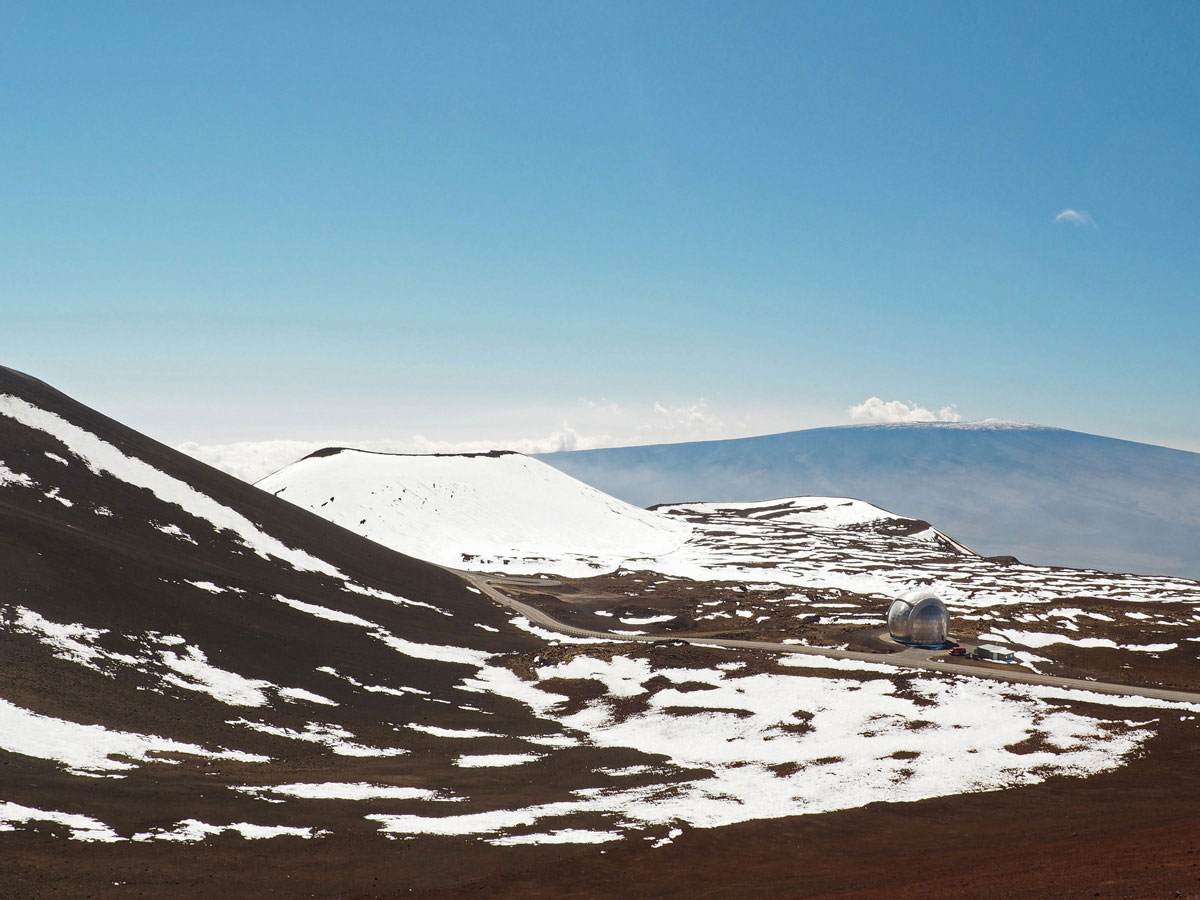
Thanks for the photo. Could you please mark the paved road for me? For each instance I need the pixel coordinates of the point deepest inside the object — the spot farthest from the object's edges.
(910, 657)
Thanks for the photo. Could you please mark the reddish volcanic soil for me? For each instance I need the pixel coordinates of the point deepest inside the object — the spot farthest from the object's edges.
(1132, 833)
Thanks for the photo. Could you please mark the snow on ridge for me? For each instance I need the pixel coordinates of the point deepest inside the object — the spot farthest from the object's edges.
(102, 457)
(828, 512)
(972, 425)
(488, 511)
(811, 512)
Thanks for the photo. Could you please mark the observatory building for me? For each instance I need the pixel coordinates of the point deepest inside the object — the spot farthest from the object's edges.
(919, 618)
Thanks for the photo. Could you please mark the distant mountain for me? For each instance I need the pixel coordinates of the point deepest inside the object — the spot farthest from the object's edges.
(496, 511)
(1046, 495)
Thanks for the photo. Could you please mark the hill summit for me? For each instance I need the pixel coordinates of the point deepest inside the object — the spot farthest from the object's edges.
(497, 510)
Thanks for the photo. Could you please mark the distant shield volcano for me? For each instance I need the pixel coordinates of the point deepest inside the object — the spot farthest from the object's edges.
(1046, 495)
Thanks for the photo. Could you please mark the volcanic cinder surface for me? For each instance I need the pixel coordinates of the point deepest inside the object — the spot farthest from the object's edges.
(206, 690)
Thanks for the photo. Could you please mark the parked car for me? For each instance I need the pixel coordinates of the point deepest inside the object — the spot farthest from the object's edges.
(958, 651)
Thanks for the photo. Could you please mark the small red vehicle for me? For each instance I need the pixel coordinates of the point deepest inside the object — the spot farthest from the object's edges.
(958, 651)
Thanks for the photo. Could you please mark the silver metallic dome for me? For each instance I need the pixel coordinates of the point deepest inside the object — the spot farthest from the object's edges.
(919, 617)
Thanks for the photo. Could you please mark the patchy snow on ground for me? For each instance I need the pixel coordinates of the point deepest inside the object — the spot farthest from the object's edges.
(434, 652)
(192, 671)
(502, 512)
(335, 737)
(85, 828)
(93, 749)
(82, 828)
(207, 586)
(562, 836)
(453, 732)
(1042, 639)
(175, 531)
(170, 657)
(395, 598)
(646, 620)
(8, 476)
(192, 830)
(66, 640)
(821, 544)
(780, 745)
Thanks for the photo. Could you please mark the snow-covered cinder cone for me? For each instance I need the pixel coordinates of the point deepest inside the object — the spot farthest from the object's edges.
(494, 511)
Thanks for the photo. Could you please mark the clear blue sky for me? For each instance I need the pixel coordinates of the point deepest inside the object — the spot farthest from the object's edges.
(251, 221)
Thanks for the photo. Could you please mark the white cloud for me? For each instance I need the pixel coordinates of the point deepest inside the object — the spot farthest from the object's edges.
(875, 410)
(1075, 217)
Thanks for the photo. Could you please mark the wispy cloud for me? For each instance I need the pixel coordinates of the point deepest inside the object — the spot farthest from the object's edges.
(1077, 217)
(687, 418)
(875, 410)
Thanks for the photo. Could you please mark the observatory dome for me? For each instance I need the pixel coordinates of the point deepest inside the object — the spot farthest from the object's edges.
(920, 618)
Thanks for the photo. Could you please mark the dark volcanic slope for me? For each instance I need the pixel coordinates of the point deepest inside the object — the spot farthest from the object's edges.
(170, 636)
(1045, 495)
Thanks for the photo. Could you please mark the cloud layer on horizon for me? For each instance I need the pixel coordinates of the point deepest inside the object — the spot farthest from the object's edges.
(594, 423)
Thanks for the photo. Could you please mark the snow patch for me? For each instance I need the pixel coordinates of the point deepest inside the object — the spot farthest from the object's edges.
(496, 759)
(90, 749)
(336, 790)
(82, 828)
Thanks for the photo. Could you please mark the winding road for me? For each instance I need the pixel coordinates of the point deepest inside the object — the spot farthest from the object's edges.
(909, 657)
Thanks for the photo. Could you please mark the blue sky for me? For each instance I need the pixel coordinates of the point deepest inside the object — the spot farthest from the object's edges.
(500, 222)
